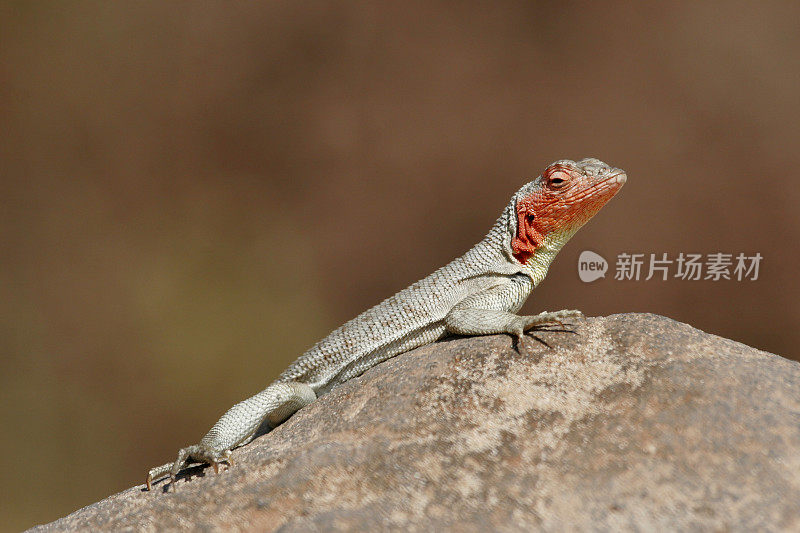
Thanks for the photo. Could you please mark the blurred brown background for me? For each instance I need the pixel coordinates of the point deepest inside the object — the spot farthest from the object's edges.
(193, 194)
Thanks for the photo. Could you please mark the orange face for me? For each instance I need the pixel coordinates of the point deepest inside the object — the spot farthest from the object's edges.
(564, 198)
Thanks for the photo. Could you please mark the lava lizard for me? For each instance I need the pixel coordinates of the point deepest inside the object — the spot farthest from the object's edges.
(478, 293)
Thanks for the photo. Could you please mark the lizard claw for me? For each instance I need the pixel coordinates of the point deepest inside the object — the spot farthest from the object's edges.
(518, 339)
(225, 457)
(156, 474)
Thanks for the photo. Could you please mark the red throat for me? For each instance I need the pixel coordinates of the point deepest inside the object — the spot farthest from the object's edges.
(528, 238)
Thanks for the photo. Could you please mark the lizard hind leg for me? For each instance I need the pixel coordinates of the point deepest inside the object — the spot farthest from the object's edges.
(238, 426)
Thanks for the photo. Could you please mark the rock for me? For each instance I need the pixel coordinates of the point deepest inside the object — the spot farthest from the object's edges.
(637, 422)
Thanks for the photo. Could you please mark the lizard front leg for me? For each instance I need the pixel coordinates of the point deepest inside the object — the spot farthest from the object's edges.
(486, 313)
(238, 426)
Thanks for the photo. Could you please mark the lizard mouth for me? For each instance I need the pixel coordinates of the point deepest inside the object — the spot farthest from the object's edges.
(613, 181)
(603, 190)
(620, 177)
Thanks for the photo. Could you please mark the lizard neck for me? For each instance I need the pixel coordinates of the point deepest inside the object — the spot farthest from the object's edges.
(496, 255)
(539, 263)
(493, 254)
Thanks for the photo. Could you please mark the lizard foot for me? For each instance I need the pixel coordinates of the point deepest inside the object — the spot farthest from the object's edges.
(189, 457)
(528, 323)
(545, 317)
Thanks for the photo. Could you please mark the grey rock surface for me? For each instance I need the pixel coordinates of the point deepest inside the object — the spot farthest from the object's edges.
(637, 422)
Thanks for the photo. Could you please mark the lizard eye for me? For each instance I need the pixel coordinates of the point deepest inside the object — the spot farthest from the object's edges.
(557, 180)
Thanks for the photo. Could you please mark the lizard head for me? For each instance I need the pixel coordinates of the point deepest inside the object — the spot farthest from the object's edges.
(551, 208)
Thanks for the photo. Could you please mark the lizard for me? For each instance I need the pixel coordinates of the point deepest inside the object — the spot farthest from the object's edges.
(478, 293)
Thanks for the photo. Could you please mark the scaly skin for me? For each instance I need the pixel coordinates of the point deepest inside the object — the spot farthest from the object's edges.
(478, 293)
